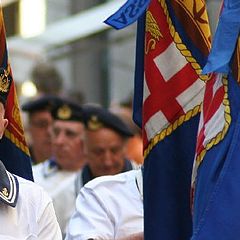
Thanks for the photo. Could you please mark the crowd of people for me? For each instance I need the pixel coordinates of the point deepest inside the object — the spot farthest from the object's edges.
(86, 167)
(85, 185)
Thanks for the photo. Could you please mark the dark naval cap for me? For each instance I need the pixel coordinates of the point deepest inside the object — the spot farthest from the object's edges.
(45, 102)
(96, 117)
(66, 110)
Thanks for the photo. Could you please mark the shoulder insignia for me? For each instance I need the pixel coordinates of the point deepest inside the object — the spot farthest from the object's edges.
(5, 192)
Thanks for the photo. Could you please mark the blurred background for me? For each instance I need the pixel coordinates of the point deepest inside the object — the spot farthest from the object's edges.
(63, 46)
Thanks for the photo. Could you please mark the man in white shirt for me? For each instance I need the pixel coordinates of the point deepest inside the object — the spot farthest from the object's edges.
(109, 207)
(105, 145)
(26, 211)
(57, 175)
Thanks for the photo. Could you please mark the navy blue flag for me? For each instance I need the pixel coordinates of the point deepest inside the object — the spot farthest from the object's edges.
(216, 176)
(216, 209)
(14, 152)
(173, 43)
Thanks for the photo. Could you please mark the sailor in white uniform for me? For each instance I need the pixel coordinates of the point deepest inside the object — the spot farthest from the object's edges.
(26, 211)
(109, 207)
(57, 175)
(105, 145)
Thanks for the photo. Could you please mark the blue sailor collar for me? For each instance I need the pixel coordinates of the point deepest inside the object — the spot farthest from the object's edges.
(9, 187)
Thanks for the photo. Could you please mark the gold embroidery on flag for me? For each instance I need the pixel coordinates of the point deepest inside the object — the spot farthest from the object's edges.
(154, 30)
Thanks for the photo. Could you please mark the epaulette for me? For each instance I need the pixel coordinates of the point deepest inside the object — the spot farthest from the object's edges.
(9, 187)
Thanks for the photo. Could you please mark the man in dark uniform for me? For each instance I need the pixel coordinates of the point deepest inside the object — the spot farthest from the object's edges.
(106, 136)
(39, 123)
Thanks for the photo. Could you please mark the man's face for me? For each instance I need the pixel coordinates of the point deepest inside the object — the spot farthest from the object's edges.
(3, 121)
(39, 128)
(67, 137)
(105, 151)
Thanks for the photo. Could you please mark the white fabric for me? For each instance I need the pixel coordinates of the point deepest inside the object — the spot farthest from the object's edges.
(108, 207)
(61, 188)
(32, 218)
(79, 183)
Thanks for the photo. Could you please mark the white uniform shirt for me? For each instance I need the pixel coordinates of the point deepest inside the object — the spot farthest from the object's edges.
(108, 207)
(61, 187)
(79, 179)
(32, 218)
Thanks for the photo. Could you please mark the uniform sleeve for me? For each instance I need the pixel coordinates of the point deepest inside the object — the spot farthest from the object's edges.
(91, 219)
(48, 227)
